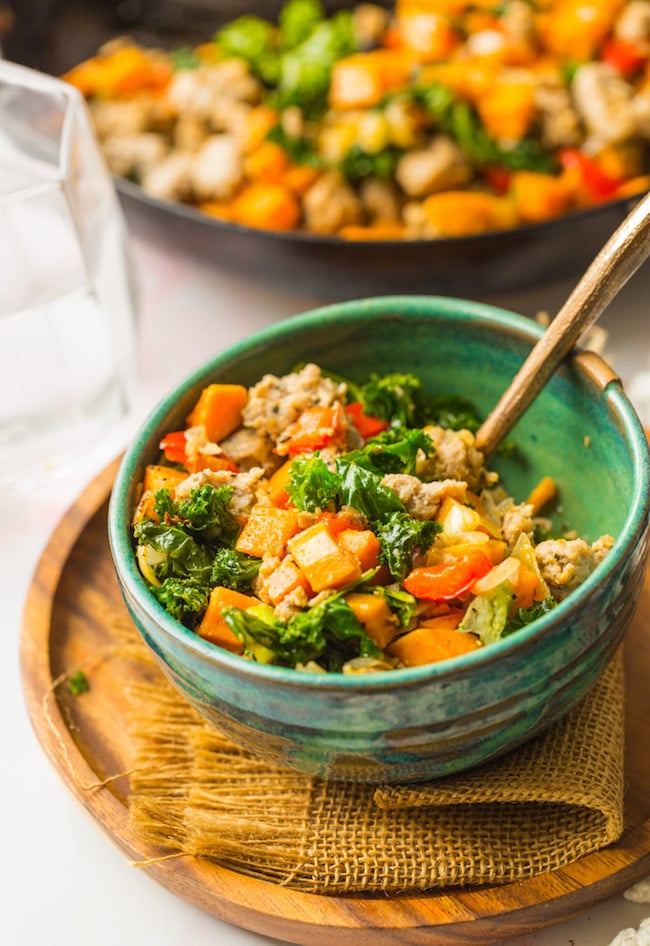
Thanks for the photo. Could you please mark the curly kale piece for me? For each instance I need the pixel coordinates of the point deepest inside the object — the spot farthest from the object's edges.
(363, 490)
(451, 411)
(393, 451)
(235, 570)
(396, 398)
(400, 537)
(525, 616)
(184, 599)
(204, 513)
(312, 485)
(188, 538)
(328, 631)
(181, 556)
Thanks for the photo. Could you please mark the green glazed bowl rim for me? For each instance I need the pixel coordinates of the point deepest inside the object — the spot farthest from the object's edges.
(362, 311)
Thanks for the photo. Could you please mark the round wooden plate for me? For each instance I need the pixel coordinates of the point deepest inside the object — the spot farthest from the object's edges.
(72, 601)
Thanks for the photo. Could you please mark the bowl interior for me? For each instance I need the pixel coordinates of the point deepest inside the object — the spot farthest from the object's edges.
(587, 438)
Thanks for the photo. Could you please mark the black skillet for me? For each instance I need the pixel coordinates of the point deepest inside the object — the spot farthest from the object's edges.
(53, 35)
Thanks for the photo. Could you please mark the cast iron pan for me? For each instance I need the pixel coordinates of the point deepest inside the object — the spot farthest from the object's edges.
(53, 35)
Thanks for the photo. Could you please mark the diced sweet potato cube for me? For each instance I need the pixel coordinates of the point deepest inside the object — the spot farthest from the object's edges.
(463, 213)
(363, 79)
(278, 482)
(161, 477)
(322, 561)
(337, 522)
(219, 410)
(373, 613)
(445, 622)
(155, 477)
(527, 589)
(215, 462)
(426, 645)
(267, 531)
(363, 544)
(213, 627)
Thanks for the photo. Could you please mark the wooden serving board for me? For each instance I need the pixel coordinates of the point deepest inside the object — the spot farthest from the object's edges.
(72, 599)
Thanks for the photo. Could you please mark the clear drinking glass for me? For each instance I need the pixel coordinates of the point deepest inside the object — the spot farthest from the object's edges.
(67, 337)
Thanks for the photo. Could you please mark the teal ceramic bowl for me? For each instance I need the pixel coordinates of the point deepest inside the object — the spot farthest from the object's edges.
(423, 722)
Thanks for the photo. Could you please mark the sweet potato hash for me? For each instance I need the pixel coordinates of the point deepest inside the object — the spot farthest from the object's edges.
(313, 523)
(431, 119)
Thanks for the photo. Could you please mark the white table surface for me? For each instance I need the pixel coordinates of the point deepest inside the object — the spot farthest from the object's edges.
(64, 883)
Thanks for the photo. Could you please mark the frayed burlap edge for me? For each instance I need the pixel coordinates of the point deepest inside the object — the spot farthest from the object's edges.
(541, 807)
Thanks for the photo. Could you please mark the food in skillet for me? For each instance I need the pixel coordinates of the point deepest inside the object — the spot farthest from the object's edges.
(436, 118)
(310, 522)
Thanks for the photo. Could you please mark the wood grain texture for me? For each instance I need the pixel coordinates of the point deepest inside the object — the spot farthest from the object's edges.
(72, 603)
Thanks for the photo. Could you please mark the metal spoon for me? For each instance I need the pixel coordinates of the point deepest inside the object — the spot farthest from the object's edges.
(618, 260)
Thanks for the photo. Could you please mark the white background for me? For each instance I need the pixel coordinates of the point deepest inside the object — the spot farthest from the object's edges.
(64, 883)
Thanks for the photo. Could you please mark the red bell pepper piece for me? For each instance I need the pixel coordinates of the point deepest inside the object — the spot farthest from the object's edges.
(599, 185)
(625, 57)
(448, 580)
(367, 424)
(498, 178)
(173, 446)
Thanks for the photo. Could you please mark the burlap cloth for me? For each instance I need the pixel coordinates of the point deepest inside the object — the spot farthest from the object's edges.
(542, 806)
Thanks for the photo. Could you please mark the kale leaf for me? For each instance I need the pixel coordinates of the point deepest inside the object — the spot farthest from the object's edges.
(363, 490)
(300, 148)
(396, 398)
(401, 602)
(524, 616)
(332, 622)
(359, 164)
(259, 632)
(400, 537)
(451, 412)
(329, 630)
(181, 555)
(204, 513)
(392, 451)
(182, 598)
(232, 569)
(312, 485)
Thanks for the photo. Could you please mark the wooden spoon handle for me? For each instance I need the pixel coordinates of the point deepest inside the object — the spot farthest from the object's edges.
(618, 260)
